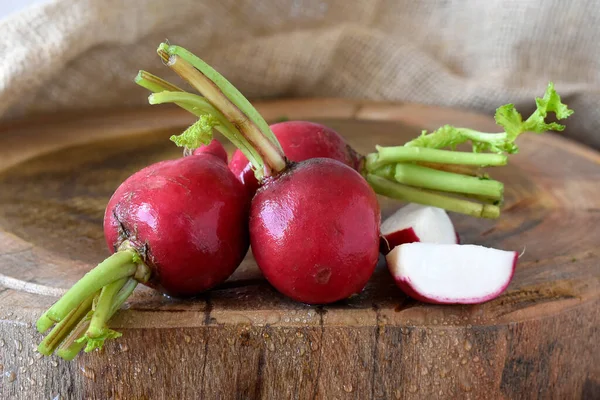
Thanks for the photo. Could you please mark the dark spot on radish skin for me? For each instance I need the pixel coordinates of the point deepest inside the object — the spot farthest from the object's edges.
(322, 277)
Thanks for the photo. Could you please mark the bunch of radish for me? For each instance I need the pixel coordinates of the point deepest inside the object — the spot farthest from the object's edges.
(302, 198)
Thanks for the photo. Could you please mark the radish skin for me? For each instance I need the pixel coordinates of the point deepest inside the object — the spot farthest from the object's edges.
(451, 273)
(215, 148)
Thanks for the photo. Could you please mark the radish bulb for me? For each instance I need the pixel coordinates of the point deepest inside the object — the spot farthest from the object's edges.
(314, 225)
(417, 223)
(178, 226)
(451, 273)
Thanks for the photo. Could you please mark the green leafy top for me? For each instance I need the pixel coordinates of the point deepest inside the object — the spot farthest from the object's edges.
(507, 117)
(201, 132)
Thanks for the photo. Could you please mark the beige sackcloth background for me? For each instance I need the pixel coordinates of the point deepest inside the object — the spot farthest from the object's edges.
(74, 54)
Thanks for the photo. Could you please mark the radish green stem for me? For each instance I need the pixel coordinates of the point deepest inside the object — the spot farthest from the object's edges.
(103, 309)
(200, 106)
(469, 170)
(123, 295)
(58, 333)
(71, 347)
(388, 155)
(155, 84)
(399, 191)
(427, 178)
(226, 99)
(117, 266)
(230, 91)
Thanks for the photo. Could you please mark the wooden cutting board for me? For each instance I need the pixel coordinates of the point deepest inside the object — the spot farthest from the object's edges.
(243, 340)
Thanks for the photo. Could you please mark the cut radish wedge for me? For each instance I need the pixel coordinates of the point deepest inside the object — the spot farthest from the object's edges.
(451, 273)
(417, 223)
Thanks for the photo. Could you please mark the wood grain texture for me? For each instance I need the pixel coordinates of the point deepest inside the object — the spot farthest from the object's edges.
(243, 340)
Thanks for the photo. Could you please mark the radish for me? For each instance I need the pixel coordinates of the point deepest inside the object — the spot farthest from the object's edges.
(417, 223)
(314, 231)
(426, 170)
(300, 141)
(314, 225)
(451, 273)
(178, 226)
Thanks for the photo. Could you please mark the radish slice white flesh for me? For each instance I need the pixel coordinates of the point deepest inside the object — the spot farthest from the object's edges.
(417, 223)
(451, 273)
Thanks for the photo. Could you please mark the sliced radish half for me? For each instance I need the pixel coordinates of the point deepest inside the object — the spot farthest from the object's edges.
(451, 273)
(417, 223)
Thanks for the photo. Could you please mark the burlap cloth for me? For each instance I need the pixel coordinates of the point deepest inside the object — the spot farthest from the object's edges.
(477, 54)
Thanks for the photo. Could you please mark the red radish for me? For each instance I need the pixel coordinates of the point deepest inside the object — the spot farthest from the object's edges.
(187, 217)
(300, 141)
(451, 273)
(314, 231)
(417, 223)
(215, 148)
(179, 226)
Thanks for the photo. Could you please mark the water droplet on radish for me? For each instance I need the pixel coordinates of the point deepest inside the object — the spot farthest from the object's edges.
(348, 387)
(468, 345)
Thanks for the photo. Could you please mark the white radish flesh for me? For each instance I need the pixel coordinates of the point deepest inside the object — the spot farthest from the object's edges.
(451, 273)
(417, 223)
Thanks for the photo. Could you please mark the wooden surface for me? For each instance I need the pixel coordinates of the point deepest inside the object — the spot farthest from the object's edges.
(243, 340)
